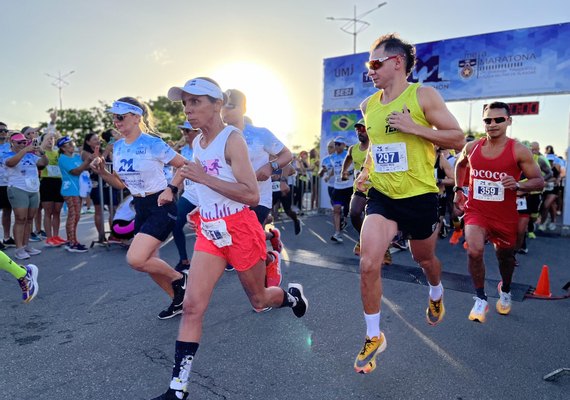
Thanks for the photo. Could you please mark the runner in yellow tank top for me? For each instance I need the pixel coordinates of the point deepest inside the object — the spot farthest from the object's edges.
(404, 122)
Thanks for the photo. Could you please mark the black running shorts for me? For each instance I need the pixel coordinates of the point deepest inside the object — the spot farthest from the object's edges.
(417, 216)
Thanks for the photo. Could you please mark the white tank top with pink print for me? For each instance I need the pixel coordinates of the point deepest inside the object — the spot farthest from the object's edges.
(213, 205)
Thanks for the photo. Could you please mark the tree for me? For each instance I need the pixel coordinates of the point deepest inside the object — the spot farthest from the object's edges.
(168, 116)
(79, 122)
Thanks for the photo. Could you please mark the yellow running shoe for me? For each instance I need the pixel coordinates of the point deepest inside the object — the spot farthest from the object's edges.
(366, 360)
(435, 311)
(356, 249)
(387, 258)
(504, 303)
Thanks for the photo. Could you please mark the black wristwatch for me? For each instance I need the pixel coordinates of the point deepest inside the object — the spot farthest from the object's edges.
(173, 188)
(458, 188)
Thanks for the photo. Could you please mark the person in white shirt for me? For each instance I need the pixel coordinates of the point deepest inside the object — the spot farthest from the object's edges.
(24, 189)
(138, 163)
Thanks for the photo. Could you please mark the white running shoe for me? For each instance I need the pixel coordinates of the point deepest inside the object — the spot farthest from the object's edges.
(479, 310)
(32, 251)
(21, 254)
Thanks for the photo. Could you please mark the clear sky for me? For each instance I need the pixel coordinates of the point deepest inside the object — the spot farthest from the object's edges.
(271, 50)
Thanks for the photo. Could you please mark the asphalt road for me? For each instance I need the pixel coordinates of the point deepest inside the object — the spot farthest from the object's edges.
(92, 332)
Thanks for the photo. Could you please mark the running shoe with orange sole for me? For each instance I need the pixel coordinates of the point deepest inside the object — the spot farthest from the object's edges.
(276, 240)
(273, 275)
(365, 361)
(455, 236)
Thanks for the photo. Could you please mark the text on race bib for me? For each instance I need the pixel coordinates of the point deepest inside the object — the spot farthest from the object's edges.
(390, 157)
(488, 190)
(217, 232)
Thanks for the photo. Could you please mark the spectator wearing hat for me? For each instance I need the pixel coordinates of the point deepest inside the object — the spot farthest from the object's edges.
(7, 241)
(138, 165)
(342, 192)
(187, 201)
(71, 166)
(22, 164)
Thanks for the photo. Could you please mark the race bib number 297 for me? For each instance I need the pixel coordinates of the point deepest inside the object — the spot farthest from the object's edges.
(390, 157)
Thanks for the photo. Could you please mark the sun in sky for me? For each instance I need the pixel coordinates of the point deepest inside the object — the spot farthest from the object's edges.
(268, 102)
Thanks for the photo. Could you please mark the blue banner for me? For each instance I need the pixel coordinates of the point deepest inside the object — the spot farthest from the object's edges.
(520, 62)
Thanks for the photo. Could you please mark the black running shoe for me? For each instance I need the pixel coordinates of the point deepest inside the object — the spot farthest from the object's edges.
(297, 226)
(172, 311)
(302, 305)
(343, 224)
(179, 288)
(172, 394)
(181, 267)
(10, 242)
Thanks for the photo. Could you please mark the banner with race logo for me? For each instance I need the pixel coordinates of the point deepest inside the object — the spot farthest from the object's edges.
(520, 62)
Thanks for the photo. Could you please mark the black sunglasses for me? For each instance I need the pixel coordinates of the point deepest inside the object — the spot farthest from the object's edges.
(498, 120)
(4, 130)
(338, 143)
(119, 117)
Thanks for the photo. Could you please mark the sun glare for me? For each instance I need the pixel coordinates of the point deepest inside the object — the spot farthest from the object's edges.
(268, 102)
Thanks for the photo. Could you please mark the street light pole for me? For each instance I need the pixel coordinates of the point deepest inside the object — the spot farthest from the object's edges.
(355, 25)
(59, 82)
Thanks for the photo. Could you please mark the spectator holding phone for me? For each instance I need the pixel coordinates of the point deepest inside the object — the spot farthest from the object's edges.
(22, 164)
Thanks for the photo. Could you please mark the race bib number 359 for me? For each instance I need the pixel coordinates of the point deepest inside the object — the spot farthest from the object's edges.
(390, 157)
(488, 190)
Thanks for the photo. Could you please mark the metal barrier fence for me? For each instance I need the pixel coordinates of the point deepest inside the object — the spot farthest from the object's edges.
(101, 189)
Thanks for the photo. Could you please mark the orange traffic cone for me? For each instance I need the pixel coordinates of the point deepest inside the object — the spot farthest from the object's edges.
(543, 285)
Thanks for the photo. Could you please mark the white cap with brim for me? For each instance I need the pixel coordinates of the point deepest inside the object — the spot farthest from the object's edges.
(198, 87)
(185, 125)
(122, 107)
(340, 139)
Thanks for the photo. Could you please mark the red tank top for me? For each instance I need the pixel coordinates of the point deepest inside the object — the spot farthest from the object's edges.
(487, 196)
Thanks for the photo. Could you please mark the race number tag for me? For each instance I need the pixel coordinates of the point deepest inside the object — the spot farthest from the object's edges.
(53, 171)
(275, 186)
(521, 203)
(217, 232)
(549, 186)
(488, 190)
(390, 157)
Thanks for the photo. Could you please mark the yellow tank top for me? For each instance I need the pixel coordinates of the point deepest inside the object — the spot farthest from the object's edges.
(402, 163)
(358, 158)
(52, 169)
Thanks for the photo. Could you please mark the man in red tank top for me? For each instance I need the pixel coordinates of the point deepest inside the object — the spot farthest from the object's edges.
(495, 164)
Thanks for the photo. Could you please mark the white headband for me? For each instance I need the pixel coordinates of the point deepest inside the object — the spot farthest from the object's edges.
(122, 107)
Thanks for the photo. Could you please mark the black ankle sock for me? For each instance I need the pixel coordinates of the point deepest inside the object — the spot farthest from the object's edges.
(288, 300)
(505, 288)
(182, 350)
(481, 293)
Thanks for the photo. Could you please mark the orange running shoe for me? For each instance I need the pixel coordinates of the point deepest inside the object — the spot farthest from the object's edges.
(273, 275)
(455, 236)
(465, 245)
(276, 240)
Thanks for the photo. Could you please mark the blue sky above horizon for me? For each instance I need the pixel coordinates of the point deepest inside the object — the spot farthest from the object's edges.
(271, 50)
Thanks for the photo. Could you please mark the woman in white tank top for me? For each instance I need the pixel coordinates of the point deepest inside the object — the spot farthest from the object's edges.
(227, 231)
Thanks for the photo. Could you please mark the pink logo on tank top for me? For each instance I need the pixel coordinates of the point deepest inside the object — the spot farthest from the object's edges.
(212, 167)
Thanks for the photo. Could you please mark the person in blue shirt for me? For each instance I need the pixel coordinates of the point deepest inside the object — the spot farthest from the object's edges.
(71, 166)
